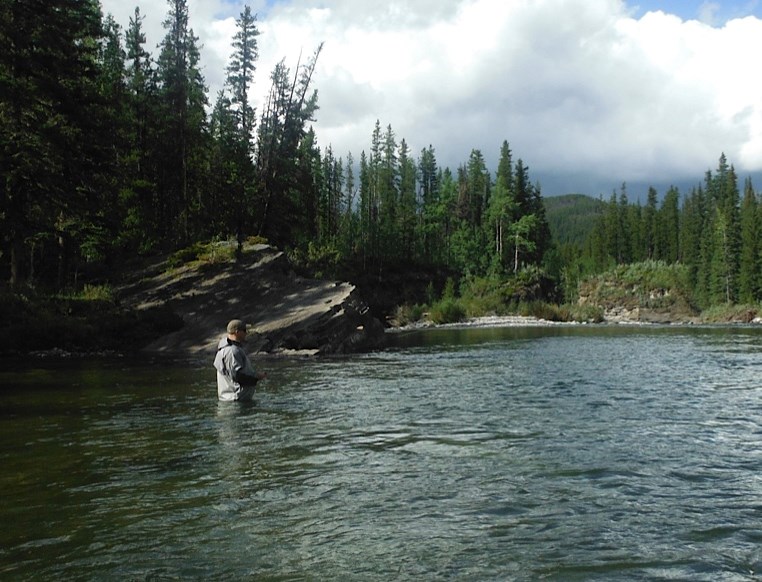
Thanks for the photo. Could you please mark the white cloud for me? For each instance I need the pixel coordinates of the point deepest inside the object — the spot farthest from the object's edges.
(585, 93)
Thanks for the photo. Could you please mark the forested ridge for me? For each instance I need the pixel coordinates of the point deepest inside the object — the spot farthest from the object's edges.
(110, 152)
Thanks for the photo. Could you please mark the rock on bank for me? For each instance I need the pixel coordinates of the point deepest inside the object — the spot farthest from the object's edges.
(288, 313)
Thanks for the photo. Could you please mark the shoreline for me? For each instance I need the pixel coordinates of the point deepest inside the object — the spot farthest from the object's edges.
(485, 321)
(492, 321)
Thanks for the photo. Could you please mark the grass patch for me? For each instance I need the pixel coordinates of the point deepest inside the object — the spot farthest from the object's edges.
(205, 253)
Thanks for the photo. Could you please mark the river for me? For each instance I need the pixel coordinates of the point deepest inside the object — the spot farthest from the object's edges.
(554, 453)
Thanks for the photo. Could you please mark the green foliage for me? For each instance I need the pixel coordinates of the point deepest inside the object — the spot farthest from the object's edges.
(572, 217)
(256, 240)
(316, 260)
(652, 284)
(408, 314)
(731, 313)
(210, 253)
(449, 289)
(107, 152)
(216, 253)
(447, 310)
(186, 255)
(528, 284)
(103, 293)
(483, 295)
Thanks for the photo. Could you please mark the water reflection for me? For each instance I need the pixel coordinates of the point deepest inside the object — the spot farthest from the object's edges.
(235, 453)
(537, 454)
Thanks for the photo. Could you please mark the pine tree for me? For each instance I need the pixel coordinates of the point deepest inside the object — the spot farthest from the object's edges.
(49, 114)
(408, 207)
(139, 197)
(624, 238)
(241, 172)
(722, 188)
(240, 75)
(183, 139)
(648, 243)
(430, 187)
(286, 151)
(388, 194)
(691, 224)
(749, 262)
(668, 226)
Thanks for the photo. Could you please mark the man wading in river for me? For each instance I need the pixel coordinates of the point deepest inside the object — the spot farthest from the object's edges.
(236, 376)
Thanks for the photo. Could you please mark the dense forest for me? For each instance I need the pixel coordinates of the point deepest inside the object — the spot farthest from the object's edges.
(110, 152)
(713, 233)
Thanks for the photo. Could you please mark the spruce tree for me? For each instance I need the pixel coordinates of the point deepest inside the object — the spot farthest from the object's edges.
(183, 139)
(749, 261)
(429, 184)
(240, 77)
(286, 151)
(49, 115)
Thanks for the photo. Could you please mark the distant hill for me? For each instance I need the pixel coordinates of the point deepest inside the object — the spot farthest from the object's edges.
(572, 217)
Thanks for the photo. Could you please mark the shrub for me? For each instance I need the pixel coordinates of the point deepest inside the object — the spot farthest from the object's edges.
(186, 255)
(585, 313)
(97, 293)
(317, 260)
(651, 284)
(407, 314)
(731, 313)
(256, 240)
(448, 310)
(216, 253)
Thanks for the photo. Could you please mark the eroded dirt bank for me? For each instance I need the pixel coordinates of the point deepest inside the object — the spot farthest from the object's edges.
(288, 313)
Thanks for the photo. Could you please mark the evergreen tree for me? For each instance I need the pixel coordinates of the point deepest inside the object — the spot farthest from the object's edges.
(722, 188)
(429, 183)
(624, 236)
(691, 232)
(240, 77)
(749, 262)
(648, 242)
(668, 226)
(408, 208)
(349, 228)
(446, 216)
(226, 185)
(285, 153)
(183, 139)
(388, 194)
(635, 224)
(330, 196)
(139, 196)
(477, 188)
(611, 230)
(49, 114)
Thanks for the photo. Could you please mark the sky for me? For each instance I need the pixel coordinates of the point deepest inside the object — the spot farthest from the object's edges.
(590, 94)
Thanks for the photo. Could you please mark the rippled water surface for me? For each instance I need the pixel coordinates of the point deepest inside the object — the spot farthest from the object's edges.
(501, 454)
